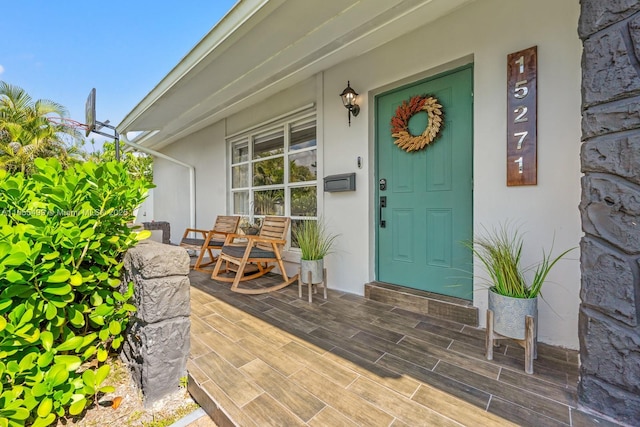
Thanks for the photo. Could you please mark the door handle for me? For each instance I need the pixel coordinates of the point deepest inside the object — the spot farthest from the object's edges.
(383, 204)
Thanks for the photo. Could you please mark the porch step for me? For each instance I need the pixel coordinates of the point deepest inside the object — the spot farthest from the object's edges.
(206, 402)
(422, 302)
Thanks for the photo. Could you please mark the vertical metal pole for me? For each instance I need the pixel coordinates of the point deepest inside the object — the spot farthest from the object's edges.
(116, 135)
(117, 141)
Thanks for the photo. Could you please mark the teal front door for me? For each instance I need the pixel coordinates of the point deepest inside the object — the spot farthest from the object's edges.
(425, 198)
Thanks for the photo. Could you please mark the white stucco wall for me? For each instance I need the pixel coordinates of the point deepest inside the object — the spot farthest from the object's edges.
(145, 211)
(482, 33)
(204, 150)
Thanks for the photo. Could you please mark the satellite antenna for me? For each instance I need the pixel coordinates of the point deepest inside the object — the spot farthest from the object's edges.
(95, 126)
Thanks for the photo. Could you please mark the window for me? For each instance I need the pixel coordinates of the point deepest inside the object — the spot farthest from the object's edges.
(274, 172)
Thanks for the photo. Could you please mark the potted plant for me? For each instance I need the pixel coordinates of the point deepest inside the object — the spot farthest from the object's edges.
(249, 227)
(511, 296)
(315, 242)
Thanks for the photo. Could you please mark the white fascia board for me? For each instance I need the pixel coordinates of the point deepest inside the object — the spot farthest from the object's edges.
(377, 22)
(226, 29)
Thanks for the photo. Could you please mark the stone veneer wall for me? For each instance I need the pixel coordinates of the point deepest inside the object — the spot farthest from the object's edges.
(156, 348)
(610, 208)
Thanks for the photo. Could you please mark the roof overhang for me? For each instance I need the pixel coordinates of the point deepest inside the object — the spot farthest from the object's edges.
(262, 47)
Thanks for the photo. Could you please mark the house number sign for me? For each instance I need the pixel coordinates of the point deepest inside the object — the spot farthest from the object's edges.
(522, 109)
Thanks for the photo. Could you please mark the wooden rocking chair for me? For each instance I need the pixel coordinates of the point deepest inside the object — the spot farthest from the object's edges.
(256, 251)
(211, 239)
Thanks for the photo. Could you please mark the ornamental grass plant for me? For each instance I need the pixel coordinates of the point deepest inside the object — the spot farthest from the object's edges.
(500, 251)
(313, 238)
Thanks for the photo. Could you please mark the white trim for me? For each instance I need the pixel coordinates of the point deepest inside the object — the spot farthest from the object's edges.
(192, 175)
(281, 123)
(229, 25)
(272, 121)
(320, 139)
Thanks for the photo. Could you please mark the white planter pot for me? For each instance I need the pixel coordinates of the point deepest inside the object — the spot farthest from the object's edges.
(316, 267)
(509, 314)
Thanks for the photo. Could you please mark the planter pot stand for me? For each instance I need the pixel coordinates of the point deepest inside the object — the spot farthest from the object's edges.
(516, 323)
(313, 274)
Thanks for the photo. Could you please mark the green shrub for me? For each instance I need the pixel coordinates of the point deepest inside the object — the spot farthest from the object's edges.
(62, 306)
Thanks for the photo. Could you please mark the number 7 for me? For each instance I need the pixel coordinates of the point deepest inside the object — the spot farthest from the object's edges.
(522, 136)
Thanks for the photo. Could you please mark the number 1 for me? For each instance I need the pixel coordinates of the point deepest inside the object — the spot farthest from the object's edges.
(520, 61)
(519, 162)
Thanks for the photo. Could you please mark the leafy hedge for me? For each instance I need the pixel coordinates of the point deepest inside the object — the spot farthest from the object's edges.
(62, 307)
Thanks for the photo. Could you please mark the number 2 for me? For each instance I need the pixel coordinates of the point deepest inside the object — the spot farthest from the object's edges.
(520, 113)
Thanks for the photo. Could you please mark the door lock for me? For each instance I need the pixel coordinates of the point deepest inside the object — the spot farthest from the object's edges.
(383, 184)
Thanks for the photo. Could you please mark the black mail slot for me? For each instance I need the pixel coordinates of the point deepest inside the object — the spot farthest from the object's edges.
(340, 182)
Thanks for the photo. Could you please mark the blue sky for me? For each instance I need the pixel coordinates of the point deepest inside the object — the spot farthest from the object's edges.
(60, 50)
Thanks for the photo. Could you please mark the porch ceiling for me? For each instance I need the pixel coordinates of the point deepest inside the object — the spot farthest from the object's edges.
(260, 48)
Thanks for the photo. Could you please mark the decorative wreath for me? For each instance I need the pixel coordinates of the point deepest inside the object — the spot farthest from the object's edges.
(400, 122)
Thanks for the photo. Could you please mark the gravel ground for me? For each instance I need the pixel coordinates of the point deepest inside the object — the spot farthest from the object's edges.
(131, 410)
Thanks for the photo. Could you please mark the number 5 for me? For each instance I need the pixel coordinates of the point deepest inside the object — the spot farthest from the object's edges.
(521, 91)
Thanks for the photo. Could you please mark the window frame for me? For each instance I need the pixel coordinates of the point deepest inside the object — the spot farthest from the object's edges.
(249, 136)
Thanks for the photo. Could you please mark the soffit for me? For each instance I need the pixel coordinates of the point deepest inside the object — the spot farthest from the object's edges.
(262, 47)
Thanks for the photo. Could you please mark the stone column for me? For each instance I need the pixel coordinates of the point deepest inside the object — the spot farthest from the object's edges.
(610, 209)
(160, 225)
(157, 344)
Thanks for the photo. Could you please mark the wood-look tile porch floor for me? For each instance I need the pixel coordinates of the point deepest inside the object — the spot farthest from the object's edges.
(276, 360)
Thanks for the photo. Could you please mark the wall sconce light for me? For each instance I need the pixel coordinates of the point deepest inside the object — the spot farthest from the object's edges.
(348, 96)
